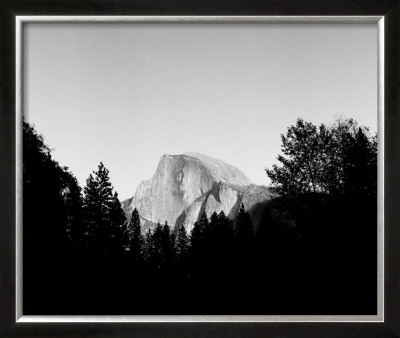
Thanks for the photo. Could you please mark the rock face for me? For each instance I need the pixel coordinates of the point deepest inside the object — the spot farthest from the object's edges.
(184, 186)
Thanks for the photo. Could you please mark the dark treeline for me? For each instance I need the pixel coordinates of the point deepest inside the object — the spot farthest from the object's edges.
(313, 252)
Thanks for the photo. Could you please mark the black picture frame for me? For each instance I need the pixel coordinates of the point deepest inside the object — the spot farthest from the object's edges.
(9, 327)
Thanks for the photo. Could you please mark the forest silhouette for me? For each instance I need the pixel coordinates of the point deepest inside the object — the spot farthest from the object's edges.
(313, 253)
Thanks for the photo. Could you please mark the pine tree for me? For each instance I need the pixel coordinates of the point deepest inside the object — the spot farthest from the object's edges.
(199, 250)
(196, 239)
(219, 245)
(181, 242)
(72, 194)
(226, 232)
(182, 251)
(136, 239)
(157, 247)
(223, 232)
(104, 217)
(244, 227)
(91, 213)
(118, 226)
(148, 246)
(166, 246)
(198, 235)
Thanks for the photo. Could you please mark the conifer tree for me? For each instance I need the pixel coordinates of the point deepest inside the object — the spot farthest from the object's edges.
(91, 213)
(72, 194)
(157, 247)
(198, 248)
(213, 238)
(118, 227)
(166, 246)
(224, 230)
(221, 232)
(136, 239)
(182, 250)
(148, 246)
(104, 217)
(200, 231)
(219, 245)
(196, 239)
(181, 242)
(198, 234)
(244, 227)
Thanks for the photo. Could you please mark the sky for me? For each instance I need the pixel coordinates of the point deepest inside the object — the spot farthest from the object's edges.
(126, 94)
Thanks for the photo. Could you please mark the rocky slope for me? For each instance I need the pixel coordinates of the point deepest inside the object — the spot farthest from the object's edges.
(184, 186)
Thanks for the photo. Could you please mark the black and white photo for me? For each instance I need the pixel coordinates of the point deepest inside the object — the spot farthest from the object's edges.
(200, 169)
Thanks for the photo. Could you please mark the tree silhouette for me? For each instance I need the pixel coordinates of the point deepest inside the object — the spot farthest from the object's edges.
(220, 247)
(104, 217)
(50, 193)
(182, 251)
(220, 236)
(119, 235)
(336, 159)
(51, 224)
(156, 252)
(244, 228)
(197, 235)
(72, 194)
(314, 248)
(199, 249)
(136, 239)
(301, 166)
(148, 246)
(167, 245)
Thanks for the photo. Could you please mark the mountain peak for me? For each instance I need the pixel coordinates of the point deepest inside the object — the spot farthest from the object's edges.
(184, 185)
(220, 170)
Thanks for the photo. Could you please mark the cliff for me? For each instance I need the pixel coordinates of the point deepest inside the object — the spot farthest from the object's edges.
(184, 186)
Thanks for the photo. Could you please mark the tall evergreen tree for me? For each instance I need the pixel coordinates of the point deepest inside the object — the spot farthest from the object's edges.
(136, 239)
(220, 229)
(148, 246)
(199, 249)
(72, 194)
(119, 226)
(156, 255)
(166, 246)
(198, 234)
(220, 245)
(224, 232)
(244, 226)
(182, 250)
(182, 242)
(91, 213)
(105, 220)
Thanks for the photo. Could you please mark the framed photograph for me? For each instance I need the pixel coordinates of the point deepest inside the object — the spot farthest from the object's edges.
(227, 173)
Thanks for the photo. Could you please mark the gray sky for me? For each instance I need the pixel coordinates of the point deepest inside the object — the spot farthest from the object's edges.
(125, 94)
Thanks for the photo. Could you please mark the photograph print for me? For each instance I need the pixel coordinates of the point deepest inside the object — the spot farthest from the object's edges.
(200, 169)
